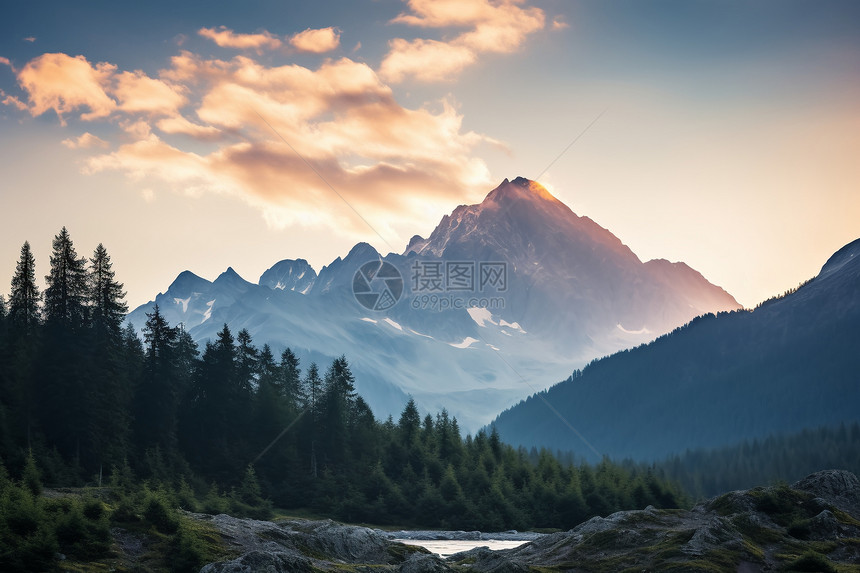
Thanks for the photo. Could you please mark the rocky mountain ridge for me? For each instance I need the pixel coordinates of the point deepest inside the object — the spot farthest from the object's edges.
(504, 297)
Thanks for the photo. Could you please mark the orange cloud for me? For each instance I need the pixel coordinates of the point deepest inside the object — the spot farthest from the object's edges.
(226, 38)
(262, 122)
(64, 84)
(500, 26)
(558, 23)
(424, 60)
(339, 116)
(85, 141)
(137, 92)
(316, 41)
(179, 124)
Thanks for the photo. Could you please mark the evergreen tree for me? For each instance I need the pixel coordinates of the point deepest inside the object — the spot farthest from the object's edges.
(410, 423)
(105, 294)
(24, 298)
(246, 362)
(66, 292)
(313, 385)
(111, 380)
(155, 400)
(68, 412)
(338, 401)
(17, 387)
(291, 381)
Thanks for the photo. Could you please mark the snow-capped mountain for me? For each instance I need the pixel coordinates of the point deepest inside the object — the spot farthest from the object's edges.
(504, 298)
(297, 275)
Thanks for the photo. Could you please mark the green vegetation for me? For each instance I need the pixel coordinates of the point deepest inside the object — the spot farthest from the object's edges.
(789, 457)
(36, 529)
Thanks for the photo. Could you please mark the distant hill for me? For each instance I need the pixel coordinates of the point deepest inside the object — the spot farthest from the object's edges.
(792, 363)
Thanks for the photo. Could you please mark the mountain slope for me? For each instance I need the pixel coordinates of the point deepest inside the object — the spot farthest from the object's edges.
(790, 364)
(564, 291)
(573, 280)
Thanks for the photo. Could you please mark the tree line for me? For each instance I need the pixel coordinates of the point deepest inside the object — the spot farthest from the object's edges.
(86, 397)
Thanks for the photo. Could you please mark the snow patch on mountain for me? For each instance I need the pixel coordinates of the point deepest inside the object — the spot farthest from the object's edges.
(481, 316)
(467, 342)
(208, 313)
(392, 323)
(643, 330)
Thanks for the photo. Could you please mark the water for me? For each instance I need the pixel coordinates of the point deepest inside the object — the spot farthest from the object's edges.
(446, 547)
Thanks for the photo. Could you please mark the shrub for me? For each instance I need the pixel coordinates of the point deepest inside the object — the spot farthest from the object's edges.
(158, 512)
(812, 561)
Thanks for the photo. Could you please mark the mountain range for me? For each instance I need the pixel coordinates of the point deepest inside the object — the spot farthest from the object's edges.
(503, 298)
(792, 363)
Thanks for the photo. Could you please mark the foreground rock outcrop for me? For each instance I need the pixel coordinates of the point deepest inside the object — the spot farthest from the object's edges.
(813, 525)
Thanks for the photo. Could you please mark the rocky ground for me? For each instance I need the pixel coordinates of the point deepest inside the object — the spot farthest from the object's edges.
(813, 525)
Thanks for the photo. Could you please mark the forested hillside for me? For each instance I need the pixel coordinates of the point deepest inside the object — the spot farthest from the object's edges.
(782, 458)
(91, 400)
(790, 364)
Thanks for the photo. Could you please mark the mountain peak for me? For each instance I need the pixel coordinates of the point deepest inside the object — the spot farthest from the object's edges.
(187, 281)
(229, 276)
(289, 274)
(518, 189)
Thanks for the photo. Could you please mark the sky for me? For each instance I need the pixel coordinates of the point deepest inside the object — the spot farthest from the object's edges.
(201, 135)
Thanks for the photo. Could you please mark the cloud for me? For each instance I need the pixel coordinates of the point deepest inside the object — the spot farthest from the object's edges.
(316, 41)
(137, 92)
(558, 23)
(500, 26)
(13, 101)
(179, 124)
(226, 38)
(86, 141)
(64, 84)
(6, 62)
(388, 161)
(30, 39)
(424, 60)
(262, 125)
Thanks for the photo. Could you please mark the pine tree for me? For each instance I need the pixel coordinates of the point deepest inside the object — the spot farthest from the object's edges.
(155, 399)
(24, 298)
(313, 386)
(105, 294)
(246, 362)
(409, 423)
(64, 373)
(66, 292)
(339, 398)
(291, 381)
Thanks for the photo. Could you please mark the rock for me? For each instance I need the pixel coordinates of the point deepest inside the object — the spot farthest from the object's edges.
(301, 545)
(758, 530)
(483, 560)
(423, 563)
(717, 532)
(839, 488)
(262, 562)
